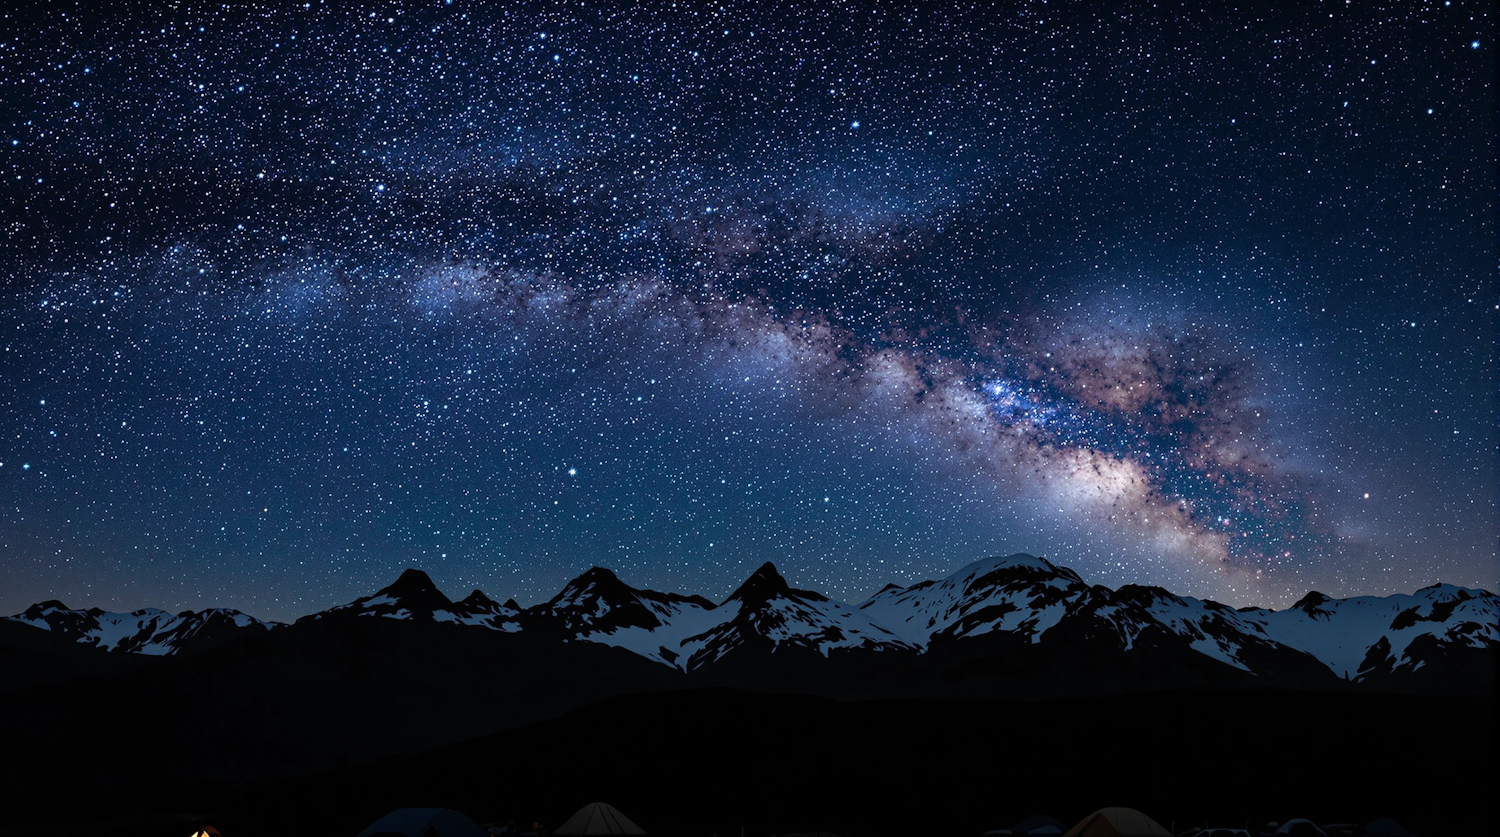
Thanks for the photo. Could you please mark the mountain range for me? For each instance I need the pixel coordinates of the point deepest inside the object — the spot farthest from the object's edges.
(1017, 625)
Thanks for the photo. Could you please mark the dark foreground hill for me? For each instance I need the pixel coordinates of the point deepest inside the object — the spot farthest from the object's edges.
(729, 762)
(1011, 683)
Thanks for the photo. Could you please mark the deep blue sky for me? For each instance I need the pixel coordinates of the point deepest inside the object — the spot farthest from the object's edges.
(297, 298)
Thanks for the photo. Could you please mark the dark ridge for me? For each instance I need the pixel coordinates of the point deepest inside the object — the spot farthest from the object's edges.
(765, 583)
(1312, 601)
(478, 599)
(1144, 593)
(416, 592)
(604, 582)
(678, 597)
(597, 575)
(411, 581)
(36, 610)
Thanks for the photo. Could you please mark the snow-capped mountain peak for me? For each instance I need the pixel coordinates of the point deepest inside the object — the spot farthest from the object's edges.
(598, 607)
(1361, 635)
(594, 587)
(1017, 600)
(765, 584)
(478, 599)
(1313, 603)
(598, 602)
(1012, 593)
(149, 631)
(765, 611)
(413, 596)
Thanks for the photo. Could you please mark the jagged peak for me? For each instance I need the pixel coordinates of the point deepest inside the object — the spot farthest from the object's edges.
(1452, 590)
(596, 575)
(1146, 593)
(1312, 601)
(599, 579)
(1015, 561)
(477, 599)
(414, 589)
(765, 584)
(411, 580)
(40, 608)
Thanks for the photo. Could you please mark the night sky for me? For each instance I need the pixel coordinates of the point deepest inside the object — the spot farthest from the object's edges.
(297, 297)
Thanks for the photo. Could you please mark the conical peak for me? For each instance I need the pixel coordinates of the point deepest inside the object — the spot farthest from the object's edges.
(594, 578)
(1018, 567)
(766, 574)
(764, 583)
(477, 599)
(411, 581)
(1145, 593)
(594, 582)
(597, 575)
(36, 610)
(1312, 601)
(415, 591)
(1017, 561)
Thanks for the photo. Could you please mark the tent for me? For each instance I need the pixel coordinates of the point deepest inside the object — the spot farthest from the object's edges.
(1117, 822)
(1300, 828)
(1383, 827)
(596, 818)
(1040, 826)
(424, 822)
(207, 831)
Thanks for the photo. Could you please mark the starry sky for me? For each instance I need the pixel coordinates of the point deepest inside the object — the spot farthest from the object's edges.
(299, 295)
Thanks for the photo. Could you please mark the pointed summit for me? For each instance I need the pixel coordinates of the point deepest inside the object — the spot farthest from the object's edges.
(414, 592)
(478, 599)
(1018, 565)
(766, 614)
(40, 609)
(1311, 602)
(763, 585)
(599, 602)
(598, 574)
(412, 582)
(411, 596)
(594, 583)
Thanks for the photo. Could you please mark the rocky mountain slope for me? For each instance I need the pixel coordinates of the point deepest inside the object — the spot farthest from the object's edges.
(1015, 608)
(147, 631)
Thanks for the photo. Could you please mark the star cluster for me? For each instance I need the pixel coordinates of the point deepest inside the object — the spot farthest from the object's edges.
(298, 296)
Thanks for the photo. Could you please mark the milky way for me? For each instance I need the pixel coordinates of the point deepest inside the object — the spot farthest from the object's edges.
(298, 298)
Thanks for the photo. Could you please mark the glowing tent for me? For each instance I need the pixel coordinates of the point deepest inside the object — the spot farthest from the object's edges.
(1039, 826)
(596, 818)
(1300, 828)
(1117, 822)
(424, 822)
